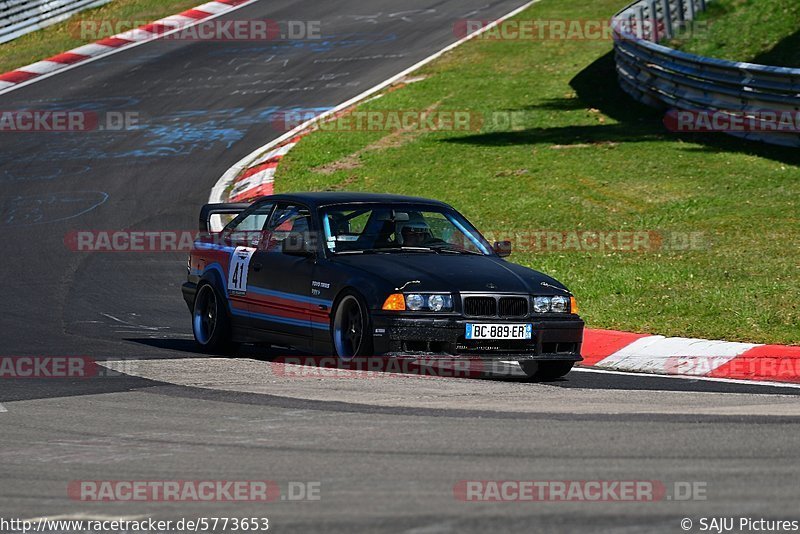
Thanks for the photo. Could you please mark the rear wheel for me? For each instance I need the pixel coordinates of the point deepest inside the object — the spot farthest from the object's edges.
(546, 371)
(351, 327)
(210, 323)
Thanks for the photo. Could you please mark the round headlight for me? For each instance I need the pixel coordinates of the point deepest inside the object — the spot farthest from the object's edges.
(561, 304)
(541, 304)
(415, 302)
(436, 302)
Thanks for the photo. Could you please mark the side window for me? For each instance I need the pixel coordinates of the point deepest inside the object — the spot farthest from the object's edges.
(246, 229)
(286, 220)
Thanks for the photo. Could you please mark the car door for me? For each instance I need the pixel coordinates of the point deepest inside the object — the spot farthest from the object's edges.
(240, 239)
(279, 284)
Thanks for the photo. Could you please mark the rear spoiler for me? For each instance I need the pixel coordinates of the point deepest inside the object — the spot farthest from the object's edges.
(209, 210)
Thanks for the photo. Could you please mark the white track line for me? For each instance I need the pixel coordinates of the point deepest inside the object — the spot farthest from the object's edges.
(690, 377)
(121, 49)
(218, 192)
(3, 409)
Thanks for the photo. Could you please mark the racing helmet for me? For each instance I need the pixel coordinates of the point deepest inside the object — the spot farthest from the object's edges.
(413, 233)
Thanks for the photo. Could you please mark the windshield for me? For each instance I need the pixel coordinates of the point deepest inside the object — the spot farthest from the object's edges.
(400, 228)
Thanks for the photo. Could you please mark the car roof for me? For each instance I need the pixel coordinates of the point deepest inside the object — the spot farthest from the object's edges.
(329, 198)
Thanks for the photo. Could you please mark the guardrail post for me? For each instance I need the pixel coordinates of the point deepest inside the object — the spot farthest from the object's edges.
(666, 8)
(690, 10)
(679, 17)
(652, 21)
(639, 21)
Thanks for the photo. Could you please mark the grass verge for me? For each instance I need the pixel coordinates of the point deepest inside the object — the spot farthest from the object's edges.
(582, 156)
(761, 31)
(67, 35)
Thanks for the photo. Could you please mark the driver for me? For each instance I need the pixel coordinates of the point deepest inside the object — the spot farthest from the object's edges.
(414, 234)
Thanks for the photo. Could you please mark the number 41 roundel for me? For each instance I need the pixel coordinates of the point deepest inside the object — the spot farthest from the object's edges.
(237, 273)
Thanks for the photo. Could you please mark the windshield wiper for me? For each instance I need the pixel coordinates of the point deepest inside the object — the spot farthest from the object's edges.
(452, 250)
(405, 249)
(389, 250)
(385, 250)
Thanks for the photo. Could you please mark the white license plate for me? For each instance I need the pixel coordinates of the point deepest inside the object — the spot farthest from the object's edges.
(499, 331)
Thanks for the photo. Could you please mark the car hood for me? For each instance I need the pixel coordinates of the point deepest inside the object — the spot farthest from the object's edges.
(454, 273)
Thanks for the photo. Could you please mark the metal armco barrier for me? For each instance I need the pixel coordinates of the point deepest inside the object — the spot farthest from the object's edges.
(662, 77)
(18, 17)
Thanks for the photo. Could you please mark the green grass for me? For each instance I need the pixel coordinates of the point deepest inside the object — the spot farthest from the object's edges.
(761, 31)
(67, 35)
(587, 157)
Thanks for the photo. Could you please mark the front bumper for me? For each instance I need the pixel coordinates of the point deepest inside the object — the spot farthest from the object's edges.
(554, 339)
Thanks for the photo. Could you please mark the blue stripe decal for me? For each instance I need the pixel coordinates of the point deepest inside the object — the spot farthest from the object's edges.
(268, 292)
(281, 320)
(213, 246)
(288, 296)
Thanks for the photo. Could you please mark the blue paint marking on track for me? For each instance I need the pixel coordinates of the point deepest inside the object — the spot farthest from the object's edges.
(48, 208)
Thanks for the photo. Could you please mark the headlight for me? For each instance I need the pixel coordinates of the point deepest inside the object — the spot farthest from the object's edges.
(428, 302)
(557, 304)
(541, 304)
(436, 302)
(415, 302)
(560, 305)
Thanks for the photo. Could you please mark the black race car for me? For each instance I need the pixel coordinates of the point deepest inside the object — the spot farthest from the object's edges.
(359, 275)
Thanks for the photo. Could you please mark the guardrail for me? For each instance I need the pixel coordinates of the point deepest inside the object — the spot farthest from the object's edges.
(662, 77)
(18, 17)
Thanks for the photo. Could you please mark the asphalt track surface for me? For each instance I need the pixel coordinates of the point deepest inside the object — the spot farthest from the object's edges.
(387, 449)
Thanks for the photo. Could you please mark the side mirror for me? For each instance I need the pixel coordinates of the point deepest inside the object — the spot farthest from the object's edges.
(502, 248)
(298, 244)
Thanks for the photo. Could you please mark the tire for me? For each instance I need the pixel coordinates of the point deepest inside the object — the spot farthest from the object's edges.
(351, 327)
(210, 322)
(545, 371)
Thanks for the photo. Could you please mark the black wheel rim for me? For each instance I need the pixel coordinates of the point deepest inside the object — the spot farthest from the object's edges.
(348, 330)
(205, 315)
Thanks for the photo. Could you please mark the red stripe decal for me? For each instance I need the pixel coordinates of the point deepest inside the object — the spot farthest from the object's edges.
(279, 311)
(287, 304)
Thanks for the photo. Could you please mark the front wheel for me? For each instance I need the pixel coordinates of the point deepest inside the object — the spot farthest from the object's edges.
(210, 323)
(545, 371)
(351, 328)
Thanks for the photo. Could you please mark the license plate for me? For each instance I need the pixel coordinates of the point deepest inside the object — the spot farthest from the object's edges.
(499, 331)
